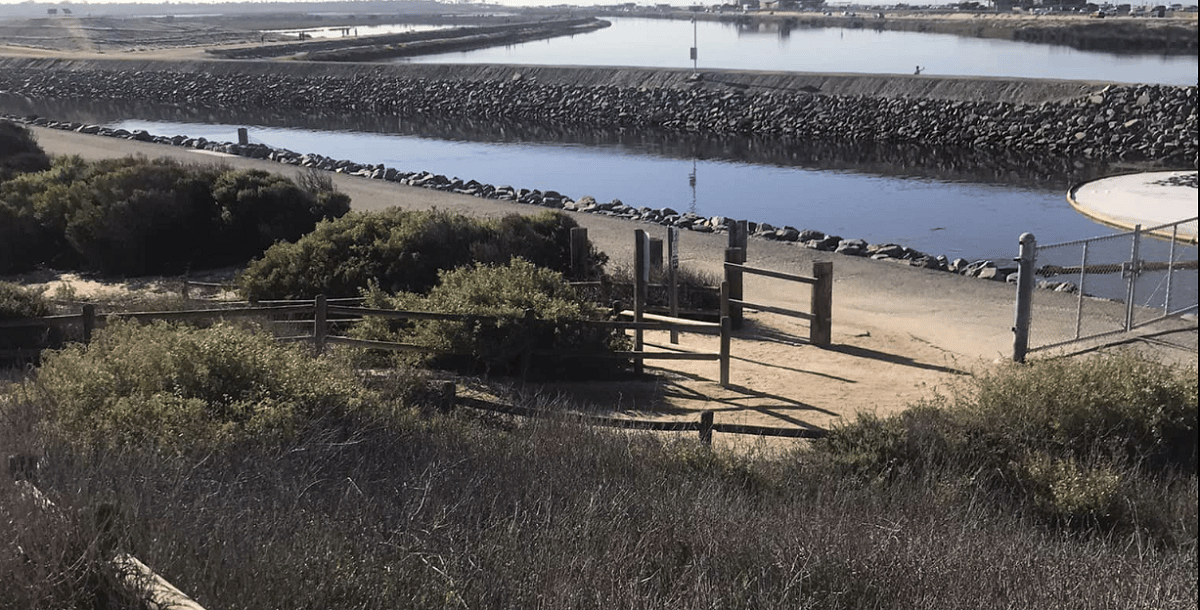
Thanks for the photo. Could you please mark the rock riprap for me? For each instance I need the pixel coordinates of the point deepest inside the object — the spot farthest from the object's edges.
(1155, 123)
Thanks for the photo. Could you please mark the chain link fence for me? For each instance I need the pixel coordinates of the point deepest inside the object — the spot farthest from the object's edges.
(1091, 288)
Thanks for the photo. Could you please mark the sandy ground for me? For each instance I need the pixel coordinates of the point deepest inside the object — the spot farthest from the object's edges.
(899, 334)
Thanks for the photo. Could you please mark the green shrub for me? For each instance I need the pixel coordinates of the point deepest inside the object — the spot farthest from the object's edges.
(255, 209)
(19, 151)
(505, 293)
(1066, 436)
(402, 251)
(18, 302)
(132, 216)
(179, 386)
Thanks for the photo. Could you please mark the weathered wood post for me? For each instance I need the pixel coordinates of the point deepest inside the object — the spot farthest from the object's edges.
(739, 235)
(641, 277)
(726, 340)
(706, 427)
(734, 257)
(579, 252)
(89, 322)
(820, 332)
(1026, 261)
(656, 254)
(446, 393)
(320, 317)
(673, 278)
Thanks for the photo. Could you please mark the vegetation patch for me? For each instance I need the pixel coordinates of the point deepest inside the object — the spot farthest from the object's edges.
(181, 387)
(1069, 437)
(403, 251)
(133, 216)
(526, 319)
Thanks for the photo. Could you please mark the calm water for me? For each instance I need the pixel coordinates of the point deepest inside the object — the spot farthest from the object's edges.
(955, 215)
(956, 203)
(665, 44)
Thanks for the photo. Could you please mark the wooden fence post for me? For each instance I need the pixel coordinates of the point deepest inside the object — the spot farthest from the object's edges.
(673, 278)
(446, 391)
(739, 234)
(320, 316)
(641, 273)
(89, 322)
(725, 299)
(579, 252)
(820, 332)
(733, 275)
(656, 254)
(706, 427)
(726, 340)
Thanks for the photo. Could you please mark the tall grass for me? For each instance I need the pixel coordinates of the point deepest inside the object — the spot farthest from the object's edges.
(404, 509)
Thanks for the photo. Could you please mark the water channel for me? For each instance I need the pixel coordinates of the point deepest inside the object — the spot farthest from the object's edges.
(956, 203)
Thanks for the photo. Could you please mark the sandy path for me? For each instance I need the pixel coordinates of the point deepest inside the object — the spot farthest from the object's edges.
(899, 334)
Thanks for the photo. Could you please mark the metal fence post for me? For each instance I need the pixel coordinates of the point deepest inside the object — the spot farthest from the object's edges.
(1025, 275)
(1135, 269)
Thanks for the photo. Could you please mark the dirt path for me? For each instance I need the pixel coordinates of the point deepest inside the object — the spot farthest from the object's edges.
(899, 334)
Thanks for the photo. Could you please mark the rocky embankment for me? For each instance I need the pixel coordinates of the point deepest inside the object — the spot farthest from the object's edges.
(1117, 122)
(1155, 125)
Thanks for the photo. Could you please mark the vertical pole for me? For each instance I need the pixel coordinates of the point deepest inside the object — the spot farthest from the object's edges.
(733, 274)
(726, 340)
(1079, 301)
(320, 315)
(695, 46)
(673, 278)
(820, 332)
(89, 322)
(1025, 271)
(1170, 269)
(579, 252)
(706, 427)
(739, 235)
(656, 255)
(641, 276)
(1135, 269)
(725, 299)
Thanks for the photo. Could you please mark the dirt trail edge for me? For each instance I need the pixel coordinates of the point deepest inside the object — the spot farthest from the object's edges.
(900, 334)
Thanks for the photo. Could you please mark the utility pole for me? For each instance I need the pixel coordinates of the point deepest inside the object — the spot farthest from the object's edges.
(694, 44)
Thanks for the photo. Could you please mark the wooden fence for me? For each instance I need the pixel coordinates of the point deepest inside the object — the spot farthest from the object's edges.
(733, 302)
(321, 310)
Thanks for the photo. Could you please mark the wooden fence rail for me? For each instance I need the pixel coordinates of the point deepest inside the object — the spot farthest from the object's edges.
(705, 427)
(820, 314)
(321, 310)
